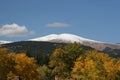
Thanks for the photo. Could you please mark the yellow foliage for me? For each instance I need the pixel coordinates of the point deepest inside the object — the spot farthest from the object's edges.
(18, 65)
(95, 65)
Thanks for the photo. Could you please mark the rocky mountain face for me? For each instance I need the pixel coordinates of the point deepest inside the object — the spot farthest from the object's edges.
(101, 46)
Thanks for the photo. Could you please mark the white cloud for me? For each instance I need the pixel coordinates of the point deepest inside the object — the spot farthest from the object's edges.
(14, 30)
(58, 24)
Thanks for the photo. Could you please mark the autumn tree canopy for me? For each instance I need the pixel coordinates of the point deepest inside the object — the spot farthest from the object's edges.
(95, 65)
(69, 62)
(12, 65)
(62, 59)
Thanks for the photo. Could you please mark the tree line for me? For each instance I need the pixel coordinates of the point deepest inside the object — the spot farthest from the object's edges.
(68, 62)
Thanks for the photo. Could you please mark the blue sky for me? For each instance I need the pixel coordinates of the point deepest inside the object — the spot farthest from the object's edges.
(93, 19)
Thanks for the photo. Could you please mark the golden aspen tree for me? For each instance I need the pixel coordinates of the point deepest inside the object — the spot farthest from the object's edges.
(62, 60)
(95, 65)
(18, 65)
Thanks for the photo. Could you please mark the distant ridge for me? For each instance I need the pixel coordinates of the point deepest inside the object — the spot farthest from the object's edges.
(63, 38)
(70, 38)
(4, 42)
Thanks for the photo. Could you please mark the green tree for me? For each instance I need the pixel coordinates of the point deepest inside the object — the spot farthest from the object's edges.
(62, 60)
(46, 73)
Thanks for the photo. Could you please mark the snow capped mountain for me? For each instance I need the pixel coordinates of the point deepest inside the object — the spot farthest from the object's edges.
(70, 38)
(63, 38)
(4, 42)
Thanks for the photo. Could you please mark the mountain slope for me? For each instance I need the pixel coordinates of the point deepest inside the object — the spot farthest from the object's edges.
(70, 38)
(38, 49)
(63, 38)
(109, 48)
(4, 42)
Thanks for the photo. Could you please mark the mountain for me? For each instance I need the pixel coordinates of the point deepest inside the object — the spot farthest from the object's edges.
(40, 50)
(4, 42)
(70, 38)
(117, 43)
(47, 44)
(63, 38)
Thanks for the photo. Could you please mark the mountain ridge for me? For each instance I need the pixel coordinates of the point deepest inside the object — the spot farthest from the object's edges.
(65, 38)
(70, 38)
(4, 42)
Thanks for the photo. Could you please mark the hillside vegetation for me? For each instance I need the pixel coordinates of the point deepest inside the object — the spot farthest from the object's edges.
(39, 50)
(68, 62)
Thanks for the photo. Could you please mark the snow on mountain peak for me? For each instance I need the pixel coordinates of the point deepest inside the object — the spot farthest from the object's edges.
(4, 42)
(63, 38)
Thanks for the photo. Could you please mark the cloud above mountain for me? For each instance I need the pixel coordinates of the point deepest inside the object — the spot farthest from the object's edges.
(58, 24)
(14, 30)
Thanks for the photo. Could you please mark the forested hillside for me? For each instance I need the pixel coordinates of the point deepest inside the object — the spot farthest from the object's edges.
(39, 50)
(68, 62)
